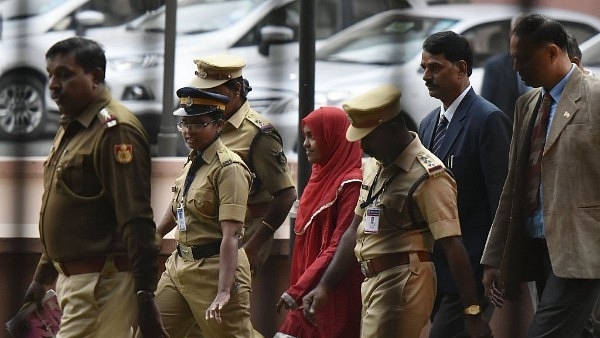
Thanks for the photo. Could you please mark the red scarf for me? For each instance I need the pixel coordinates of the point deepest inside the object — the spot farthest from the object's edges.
(341, 163)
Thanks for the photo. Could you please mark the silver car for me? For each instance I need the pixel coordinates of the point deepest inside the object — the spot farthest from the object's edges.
(386, 48)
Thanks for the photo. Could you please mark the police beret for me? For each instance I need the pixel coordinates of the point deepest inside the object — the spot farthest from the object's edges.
(194, 101)
(215, 70)
(370, 109)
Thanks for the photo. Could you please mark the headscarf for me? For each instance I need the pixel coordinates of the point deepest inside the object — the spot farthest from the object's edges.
(341, 163)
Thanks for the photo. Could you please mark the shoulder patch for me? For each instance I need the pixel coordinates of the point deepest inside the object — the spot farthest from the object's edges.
(432, 164)
(107, 119)
(123, 153)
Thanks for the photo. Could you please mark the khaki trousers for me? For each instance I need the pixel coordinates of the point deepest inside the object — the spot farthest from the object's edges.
(186, 290)
(397, 302)
(96, 305)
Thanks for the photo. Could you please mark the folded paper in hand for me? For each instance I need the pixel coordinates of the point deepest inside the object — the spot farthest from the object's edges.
(30, 322)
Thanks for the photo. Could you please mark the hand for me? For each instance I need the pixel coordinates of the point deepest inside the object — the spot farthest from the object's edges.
(281, 302)
(287, 301)
(494, 287)
(312, 302)
(149, 320)
(35, 293)
(214, 310)
(477, 327)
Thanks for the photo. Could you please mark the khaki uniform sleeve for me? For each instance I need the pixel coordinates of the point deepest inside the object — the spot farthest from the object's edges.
(233, 185)
(126, 175)
(270, 165)
(436, 199)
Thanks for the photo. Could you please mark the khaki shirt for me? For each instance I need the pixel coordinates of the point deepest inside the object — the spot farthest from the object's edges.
(218, 192)
(96, 197)
(435, 203)
(270, 164)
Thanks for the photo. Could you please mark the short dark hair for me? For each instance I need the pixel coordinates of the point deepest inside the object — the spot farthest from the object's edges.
(453, 46)
(244, 85)
(541, 30)
(573, 47)
(216, 114)
(89, 54)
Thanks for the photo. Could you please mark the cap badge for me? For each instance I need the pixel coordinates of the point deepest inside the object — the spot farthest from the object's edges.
(188, 102)
(202, 74)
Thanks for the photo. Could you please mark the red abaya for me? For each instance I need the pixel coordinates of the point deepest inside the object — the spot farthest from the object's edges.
(325, 211)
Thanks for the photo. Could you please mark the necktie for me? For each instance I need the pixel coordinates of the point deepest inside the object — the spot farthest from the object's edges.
(440, 132)
(538, 139)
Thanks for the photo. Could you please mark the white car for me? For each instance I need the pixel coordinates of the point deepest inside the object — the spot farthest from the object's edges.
(261, 31)
(386, 48)
(590, 50)
(32, 17)
(29, 29)
(135, 51)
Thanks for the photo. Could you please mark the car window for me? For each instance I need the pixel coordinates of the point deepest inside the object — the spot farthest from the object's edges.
(394, 40)
(591, 56)
(580, 31)
(12, 10)
(288, 16)
(199, 18)
(487, 40)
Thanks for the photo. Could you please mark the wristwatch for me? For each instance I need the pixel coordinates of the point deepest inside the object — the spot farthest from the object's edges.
(144, 296)
(473, 310)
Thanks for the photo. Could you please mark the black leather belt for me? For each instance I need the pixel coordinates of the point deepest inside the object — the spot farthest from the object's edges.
(196, 252)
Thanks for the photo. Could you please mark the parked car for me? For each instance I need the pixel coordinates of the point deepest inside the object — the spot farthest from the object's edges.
(261, 31)
(32, 17)
(386, 48)
(590, 50)
(135, 51)
(29, 28)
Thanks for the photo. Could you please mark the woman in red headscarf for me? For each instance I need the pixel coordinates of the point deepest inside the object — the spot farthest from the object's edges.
(325, 212)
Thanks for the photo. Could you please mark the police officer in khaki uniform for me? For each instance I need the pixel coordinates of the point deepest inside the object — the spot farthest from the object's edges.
(207, 279)
(254, 138)
(96, 223)
(407, 201)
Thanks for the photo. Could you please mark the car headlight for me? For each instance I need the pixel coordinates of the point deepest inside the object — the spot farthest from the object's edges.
(142, 61)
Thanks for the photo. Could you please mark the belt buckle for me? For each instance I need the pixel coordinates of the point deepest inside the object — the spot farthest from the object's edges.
(186, 253)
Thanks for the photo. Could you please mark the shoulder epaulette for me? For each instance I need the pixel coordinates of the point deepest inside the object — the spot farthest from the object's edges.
(257, 120)
(224, 157)
(107, 119)
(433, 165)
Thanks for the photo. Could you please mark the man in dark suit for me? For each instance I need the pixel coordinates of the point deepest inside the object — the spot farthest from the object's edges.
(547, 226)
(475, 148)
(501, 84)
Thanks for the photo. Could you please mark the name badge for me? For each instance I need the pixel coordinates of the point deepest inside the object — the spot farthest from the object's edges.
(372, 221)
(181, 219)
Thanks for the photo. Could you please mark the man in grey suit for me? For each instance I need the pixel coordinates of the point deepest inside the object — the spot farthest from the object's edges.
(547, 227)
(475, 148)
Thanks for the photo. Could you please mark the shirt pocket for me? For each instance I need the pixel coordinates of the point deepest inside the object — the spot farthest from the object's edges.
(77, 176)
(201, 200)
(391, 206)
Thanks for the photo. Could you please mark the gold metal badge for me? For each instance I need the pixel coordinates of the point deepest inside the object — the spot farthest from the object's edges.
(123, 153)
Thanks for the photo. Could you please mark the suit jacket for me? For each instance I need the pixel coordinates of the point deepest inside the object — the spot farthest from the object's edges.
(500, 84)
(570, 195)
(475, 149)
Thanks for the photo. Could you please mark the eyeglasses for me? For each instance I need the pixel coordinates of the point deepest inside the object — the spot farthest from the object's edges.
(181, 126)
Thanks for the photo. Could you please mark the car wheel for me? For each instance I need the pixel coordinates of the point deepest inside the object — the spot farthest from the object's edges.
(22, 108)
